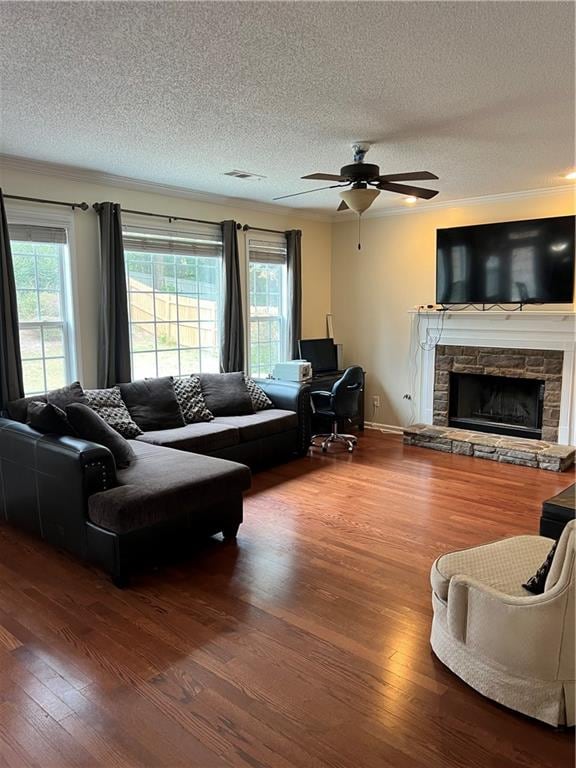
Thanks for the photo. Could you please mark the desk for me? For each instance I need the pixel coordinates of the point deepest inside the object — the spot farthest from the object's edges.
(324, 382)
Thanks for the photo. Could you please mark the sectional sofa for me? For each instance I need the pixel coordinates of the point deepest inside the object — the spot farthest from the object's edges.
(182, 482)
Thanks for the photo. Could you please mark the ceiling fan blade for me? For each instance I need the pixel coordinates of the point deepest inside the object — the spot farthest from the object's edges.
(413, 176)
(404, 189)
(306, 192)
(324, 176)
(342, 206)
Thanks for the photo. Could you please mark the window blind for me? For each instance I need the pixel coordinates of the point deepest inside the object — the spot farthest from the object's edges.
(194, 245)
(267, 252)
(37, 234)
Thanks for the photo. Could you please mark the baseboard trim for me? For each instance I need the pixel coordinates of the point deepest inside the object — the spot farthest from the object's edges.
(393, 428)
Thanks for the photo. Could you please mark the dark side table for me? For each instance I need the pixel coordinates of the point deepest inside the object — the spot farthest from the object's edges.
(558, 511)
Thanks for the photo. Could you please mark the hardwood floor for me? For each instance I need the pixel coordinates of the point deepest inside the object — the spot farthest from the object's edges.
(306, 646)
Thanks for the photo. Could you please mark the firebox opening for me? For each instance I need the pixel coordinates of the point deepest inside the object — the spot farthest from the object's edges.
(504, 405)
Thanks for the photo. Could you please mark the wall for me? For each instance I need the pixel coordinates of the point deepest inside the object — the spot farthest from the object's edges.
(316, 244)
(374, 289)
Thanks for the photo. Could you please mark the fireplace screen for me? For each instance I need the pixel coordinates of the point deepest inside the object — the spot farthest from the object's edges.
(504, 405)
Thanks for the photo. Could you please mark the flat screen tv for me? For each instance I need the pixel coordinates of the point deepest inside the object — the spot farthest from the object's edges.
(528, 262)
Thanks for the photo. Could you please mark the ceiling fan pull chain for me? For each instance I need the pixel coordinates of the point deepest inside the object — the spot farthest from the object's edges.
(359, 232)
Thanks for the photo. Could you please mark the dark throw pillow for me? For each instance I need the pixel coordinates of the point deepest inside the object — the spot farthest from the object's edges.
(18, 409)
(108, 404)
(48, 418)
(226, 394)
(89, 426)
(152, 403)
(260, 400)
(72, 393)
(191, 400)
(536, 583)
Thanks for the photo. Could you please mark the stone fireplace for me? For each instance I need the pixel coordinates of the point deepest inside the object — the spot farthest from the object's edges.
(499, 390)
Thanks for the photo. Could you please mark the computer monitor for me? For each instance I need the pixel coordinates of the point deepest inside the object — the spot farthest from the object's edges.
(322, 354)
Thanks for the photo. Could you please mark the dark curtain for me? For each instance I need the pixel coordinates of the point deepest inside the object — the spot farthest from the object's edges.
(113, 330)
(233, 325)
(294, 264)
(11, 379)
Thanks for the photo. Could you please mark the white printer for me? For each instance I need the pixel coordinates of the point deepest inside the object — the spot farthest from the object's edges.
(293, 370)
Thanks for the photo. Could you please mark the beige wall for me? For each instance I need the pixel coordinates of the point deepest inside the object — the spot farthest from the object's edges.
(373, 289)
(316, 245)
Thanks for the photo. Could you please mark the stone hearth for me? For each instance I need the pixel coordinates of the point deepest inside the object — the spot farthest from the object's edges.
(543, 364)
(509, 450)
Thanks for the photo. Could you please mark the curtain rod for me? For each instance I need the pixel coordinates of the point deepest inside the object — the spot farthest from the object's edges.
(82, 206)
(247, 227)
(96, 206)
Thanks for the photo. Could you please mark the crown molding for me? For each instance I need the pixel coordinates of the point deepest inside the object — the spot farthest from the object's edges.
(457, 203)
(89, 176)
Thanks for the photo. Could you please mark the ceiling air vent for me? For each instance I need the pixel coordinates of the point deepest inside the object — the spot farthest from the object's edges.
(244, 175)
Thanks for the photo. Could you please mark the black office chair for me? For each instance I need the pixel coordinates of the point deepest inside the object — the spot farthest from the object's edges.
(341, 403)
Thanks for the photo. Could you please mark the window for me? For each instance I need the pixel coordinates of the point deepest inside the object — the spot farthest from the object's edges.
(174, 301)
(40, 256)
(268, 328)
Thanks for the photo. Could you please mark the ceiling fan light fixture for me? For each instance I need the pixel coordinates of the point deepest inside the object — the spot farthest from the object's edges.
(359, 200)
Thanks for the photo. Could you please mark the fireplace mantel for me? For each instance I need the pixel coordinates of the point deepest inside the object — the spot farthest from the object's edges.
(530, 329)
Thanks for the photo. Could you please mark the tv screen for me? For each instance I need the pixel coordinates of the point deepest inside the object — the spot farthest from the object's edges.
(322, 354)
(511, 262)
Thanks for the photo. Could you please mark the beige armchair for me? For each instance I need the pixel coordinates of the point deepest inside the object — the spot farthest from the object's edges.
(514, 647)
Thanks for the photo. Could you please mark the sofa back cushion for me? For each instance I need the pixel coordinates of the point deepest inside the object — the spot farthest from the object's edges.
(152, 403)
(108, 404)
(226, 394)
(191, 400)
(89, 426)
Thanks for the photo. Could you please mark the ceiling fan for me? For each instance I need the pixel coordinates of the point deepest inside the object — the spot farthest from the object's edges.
(367, 183)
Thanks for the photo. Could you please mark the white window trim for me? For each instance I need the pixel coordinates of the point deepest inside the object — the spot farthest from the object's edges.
(273, 239)
(42, 215)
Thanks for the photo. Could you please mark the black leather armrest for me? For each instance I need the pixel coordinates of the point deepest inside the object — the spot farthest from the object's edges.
(45, 482)
(292, 396)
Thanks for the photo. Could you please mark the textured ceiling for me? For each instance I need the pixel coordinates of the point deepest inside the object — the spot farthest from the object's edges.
(179, 93)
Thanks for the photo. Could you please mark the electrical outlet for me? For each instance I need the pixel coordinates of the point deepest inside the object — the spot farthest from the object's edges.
(376, 401)
(407, 396)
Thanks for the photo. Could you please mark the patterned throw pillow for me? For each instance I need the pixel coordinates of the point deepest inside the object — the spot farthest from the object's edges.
(260, 400)
(191, 400)
(108, 404)
(536, 583)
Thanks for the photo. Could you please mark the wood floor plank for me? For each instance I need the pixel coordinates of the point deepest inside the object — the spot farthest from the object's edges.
(304, 646)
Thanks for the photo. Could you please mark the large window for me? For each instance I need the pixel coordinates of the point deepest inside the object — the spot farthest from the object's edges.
(267, 301)
(39, 255)
(174, 297)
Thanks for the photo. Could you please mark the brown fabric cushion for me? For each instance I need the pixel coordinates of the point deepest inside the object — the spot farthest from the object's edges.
(49, 419)
(89, 426)
(226, 394)
(161, 484)
(204, 437)
(18, 409)
(72, 393)
(152, 403)
(262, 424)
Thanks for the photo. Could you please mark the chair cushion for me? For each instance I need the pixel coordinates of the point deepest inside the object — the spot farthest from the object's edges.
(536, 583)
(204, 437)
(152, 403)
(161, 484)
(226, 394)
(503, 565)
(255, 426)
